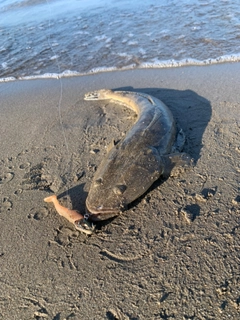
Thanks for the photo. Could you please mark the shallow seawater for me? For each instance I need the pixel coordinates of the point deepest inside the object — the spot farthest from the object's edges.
(44, 37)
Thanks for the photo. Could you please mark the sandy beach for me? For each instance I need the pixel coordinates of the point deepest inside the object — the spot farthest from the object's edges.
(174, 254)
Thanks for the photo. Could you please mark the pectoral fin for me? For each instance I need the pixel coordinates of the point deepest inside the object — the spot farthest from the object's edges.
(174, 163)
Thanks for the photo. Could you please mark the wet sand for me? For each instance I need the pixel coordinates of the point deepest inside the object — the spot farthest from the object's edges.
(173, 255)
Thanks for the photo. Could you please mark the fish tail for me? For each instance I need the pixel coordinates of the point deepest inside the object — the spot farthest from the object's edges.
(102, 94)
(50, 199)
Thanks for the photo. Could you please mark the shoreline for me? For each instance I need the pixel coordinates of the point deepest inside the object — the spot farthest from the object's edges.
(232, 59)
(173, 253)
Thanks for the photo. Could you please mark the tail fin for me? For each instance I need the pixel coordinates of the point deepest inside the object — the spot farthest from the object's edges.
(50, 199)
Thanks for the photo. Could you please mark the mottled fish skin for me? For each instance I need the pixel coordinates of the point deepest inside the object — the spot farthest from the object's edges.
(131, 166)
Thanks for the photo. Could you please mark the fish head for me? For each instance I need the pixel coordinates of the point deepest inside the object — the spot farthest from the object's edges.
(106, 197)
(122, 177)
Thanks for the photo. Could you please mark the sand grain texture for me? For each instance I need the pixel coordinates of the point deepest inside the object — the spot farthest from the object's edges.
(173, 255)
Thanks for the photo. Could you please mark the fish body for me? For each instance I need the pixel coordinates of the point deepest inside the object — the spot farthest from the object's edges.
(148, 151)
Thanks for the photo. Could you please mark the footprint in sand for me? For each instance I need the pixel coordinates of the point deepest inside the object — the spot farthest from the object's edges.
(5, 205)
(24, 166)
(65, 236)
(38, 214)
(6, 177)
(18, 192)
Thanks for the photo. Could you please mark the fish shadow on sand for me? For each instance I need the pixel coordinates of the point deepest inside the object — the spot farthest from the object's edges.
(78, 197)
(192, 114)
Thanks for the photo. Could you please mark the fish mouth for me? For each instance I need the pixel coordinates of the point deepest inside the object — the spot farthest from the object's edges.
(99, 213)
